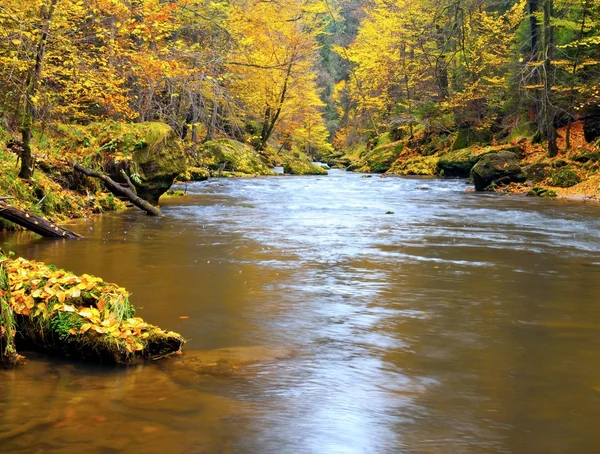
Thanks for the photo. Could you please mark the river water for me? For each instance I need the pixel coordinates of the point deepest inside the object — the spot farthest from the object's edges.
(360, 314)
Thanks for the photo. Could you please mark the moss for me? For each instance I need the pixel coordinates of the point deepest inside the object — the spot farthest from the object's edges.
(8, 329)
(564, 177)
(381, 158)
(467, 136)
(194, 174)
(79, 316)
(303, 166)
(230, 155)
(416, 165)
(458, 163)
(538, 191)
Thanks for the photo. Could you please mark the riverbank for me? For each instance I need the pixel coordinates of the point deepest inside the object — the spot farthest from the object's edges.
(516, 166)
(148, 157)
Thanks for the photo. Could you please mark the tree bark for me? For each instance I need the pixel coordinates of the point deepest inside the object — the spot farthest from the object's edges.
(34, 222)
(548, 48)
(119, 190)
(31, 89)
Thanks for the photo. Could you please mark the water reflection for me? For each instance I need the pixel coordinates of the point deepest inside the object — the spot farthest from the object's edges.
(457, 323)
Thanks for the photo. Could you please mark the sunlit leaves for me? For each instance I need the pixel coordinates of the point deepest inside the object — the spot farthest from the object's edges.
(43, 292)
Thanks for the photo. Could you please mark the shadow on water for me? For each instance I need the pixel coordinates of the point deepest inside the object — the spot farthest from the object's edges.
(332, 314)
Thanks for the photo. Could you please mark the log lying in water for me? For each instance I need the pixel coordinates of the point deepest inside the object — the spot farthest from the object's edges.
(119, 190)
(81, 317)
(34, 222)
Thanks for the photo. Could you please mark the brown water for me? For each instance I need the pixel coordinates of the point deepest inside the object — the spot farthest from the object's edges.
(460, 323)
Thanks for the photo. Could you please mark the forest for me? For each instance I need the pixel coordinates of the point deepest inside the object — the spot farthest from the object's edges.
(278, 80)
(140, 94)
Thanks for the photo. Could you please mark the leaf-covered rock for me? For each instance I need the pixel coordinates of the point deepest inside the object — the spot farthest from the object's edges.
(80, 316)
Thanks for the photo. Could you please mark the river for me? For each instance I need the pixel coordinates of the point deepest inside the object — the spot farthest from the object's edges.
(375, 315)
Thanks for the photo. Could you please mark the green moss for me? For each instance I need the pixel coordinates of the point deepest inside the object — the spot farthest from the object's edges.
(8, 352)
(303, 166)
(63, 322)
(458, 163)
(538, 191)
(564, 177)
(416, 165)
(230, 155)
(467, 136)
(381, 158)
(194, 174)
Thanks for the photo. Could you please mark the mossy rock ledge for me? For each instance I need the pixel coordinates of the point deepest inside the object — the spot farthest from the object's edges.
(227, 156)
(158, 160)
(497, 169)
(303, 166)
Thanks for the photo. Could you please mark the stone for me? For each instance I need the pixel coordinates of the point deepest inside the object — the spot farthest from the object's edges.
(232, 156)
(564, 177)
(158, 159)
(591, 123)
(497, 168)
(537, 172)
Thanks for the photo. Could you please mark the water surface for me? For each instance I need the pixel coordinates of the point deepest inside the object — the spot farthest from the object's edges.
(415, 317)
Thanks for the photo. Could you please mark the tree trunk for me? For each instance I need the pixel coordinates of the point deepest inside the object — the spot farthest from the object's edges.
(119, 190)
(34, 222)
(548, 76)
(31, 89)
(573, 71)
(270, 121)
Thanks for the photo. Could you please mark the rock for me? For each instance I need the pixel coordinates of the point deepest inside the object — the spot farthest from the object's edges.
(458, 163)
(467, 136)
(498, 169)
(158, 159)
(537, 172)
(591, 123)
(380, 158)
(538, 191)
(583, 156)
(564, 177)
(194, 174)
(303, 166)
(233, 156)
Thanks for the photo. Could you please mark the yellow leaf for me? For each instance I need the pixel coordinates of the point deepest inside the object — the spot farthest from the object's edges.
(73, 331)
(85, 327)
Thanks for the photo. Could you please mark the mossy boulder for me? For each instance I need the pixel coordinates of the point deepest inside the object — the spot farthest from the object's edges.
(496, 169)
(416, 165)
(591, 123)
(583, 156)
(227, 155)
(380, 158)
(158, 159)
(538, 191)
(537, 172)
(458, 163)
(467, 136)
(564, 177)
(194, 174)
(303, 166)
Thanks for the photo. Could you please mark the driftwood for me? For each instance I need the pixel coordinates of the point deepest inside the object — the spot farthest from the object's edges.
(34, 222)
(119, 190)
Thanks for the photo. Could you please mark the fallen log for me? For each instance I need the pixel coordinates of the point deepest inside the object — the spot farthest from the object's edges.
(80, 317)
(34, 222)
(119, 190)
